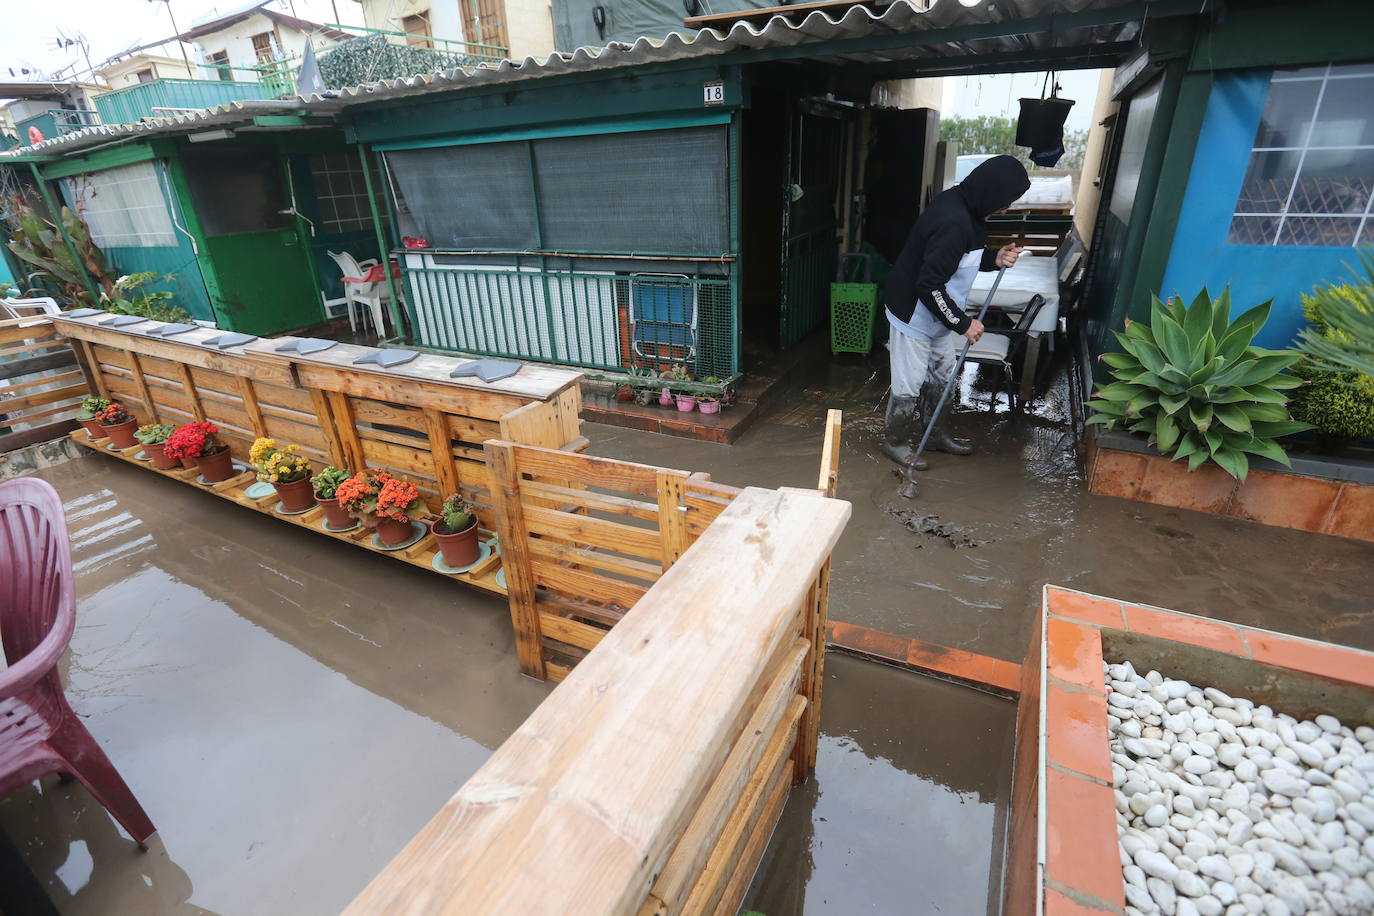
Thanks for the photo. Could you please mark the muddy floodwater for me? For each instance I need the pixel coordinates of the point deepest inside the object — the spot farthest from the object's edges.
(962, 565)
(289, 710)
(907, 810)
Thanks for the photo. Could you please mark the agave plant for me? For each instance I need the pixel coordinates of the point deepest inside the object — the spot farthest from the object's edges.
(1195, 384)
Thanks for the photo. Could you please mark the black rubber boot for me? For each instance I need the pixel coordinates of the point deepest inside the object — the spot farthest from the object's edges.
(940, 441)
(903, 422)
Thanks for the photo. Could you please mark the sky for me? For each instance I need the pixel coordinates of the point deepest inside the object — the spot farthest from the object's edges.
(998, 94)
(111, 26)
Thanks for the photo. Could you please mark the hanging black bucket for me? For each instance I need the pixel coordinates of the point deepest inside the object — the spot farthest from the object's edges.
(1041, 124)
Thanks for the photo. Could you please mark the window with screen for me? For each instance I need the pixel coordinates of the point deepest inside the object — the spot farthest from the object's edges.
(341, 189)
(237, 191)
(124, 207)
(219, 61)
(262, 48)
(1310, 179)
(660, 191)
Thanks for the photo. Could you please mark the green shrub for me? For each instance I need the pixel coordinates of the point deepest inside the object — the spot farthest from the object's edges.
(1195, 384)
(1338, 400)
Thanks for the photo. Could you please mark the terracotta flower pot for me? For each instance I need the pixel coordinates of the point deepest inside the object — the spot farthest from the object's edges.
(94, 428)
(335, 516)
(459, 548)
(157, 453)
(686, 402)
(391, 532)
(624, 393)
(296, 495)
(122, 434)
(217, 466)
(188, 462)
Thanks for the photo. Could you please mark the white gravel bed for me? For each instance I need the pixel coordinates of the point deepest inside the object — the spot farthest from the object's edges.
(1225, 806)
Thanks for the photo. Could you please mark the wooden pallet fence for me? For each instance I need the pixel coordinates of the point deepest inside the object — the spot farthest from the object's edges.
(584, 538)
(651, 779)
(425, 427)
(41, 383)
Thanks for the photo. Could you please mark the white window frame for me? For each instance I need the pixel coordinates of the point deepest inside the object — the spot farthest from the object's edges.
(1329, 73)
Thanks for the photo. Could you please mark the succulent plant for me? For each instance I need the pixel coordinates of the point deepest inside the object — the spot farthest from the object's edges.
(1196, 385)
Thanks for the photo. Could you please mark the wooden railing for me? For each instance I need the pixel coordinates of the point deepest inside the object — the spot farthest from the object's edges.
(651, 779)
(584, 538)
(41, 383)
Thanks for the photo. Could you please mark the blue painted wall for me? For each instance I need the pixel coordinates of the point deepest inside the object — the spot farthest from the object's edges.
(1201, 256)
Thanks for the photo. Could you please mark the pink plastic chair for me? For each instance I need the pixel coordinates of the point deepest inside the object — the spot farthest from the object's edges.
(39, 733)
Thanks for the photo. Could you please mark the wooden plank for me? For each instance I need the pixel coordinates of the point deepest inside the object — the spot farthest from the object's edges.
(809, 686)
(441, 454)
(561, 812)
(471, 429)
(30, 416)
(581, 584)
(511, 526)
(581, 529)
(14, 368)
(689, 857)
(590, 470)
(672, 516)
(148, 404)
(26, 437)
(818, 641)
(338, 455)
(535, 423)
(481, 404)
(27, 329)
(277, 372)
(14, 405)
(582, 635)
(596, 559)
(250, 405)
(188, 386)
(92, 366)
(591, 499)
(566, 606)
(367, 410)
(344, 427)
(45, 380)
(732, 898)
(384, 454)
(773, 775)
(830, 453)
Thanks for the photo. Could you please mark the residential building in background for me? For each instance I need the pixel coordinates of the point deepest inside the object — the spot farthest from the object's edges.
(237, 45)
(147, 63)
(521, 28)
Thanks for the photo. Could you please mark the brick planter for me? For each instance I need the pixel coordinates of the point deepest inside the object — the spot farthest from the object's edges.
(1063, 850)
(1329, 497)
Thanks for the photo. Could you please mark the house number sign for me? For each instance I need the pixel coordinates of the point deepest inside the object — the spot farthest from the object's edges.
(714, 93)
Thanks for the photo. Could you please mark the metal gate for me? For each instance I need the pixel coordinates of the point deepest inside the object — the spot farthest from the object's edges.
(815, 153)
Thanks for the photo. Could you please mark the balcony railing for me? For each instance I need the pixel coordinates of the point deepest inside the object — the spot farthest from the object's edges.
(169, 97)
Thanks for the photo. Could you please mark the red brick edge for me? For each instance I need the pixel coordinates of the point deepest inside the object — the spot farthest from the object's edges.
(927, 657)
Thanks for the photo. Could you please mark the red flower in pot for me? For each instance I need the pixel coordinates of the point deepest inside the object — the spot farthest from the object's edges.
(201, 442)
(118, 424)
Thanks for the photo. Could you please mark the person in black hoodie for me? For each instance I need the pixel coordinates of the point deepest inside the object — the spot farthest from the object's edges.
(925, 295)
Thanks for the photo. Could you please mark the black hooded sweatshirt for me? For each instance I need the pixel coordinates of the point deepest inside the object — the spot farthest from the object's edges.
(952, 226)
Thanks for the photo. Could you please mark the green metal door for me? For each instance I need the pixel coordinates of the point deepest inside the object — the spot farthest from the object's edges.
(809, 248)
(263, 281)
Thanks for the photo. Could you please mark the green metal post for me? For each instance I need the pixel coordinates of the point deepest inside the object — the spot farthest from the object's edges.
(383, 250)
(62, 228)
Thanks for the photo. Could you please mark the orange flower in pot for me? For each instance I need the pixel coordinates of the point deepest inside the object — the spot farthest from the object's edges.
(456, 533)
(383, 502)
(118, 424)
(287, 470)
(201, 442)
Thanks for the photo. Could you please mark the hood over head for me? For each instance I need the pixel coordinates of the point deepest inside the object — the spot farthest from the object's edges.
(994, 185)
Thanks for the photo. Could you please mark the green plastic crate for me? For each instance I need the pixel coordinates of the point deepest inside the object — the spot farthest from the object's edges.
(852, 307)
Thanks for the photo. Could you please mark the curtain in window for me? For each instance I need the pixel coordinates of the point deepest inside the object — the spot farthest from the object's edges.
(124, 207)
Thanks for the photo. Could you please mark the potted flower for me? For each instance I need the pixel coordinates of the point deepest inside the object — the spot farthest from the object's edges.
(456, 532)
(201, 442)
(665, 395)
(709, 404)
(358, 496)
(118, 424)
(384, 502)
(326, 484)
(287, 470)
(153, 437)
(85, 415)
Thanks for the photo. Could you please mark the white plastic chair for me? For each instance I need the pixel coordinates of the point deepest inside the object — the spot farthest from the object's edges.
(370, 296)
(25, 308)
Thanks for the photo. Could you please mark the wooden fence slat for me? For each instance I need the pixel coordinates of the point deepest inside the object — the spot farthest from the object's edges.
(511, 526)
(639, 542)
(14, 405)
(188, 385)
(591, 471)
(45, 380)
(338, 455)
(597, 559)
(581, 584)
(733, 895)
(672, 517)
(830, 453)
(92, 366)
(250, 404)
(148, 405)
(582, 635)
(346, 427)
(601, 502)
(14, 368)
(441, 453)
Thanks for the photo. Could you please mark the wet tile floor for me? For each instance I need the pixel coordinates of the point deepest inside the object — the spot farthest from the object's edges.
(290, 711)
(992, 529)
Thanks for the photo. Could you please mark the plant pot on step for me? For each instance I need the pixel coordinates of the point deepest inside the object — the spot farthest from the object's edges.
(624, 393)
(665, 397)
(334, 515)
(122, 434)
(216, 466)
(391, 532)
(459, 548)
(296, 495)
(93, 428)
(708, 405)
(644, 397)
(157, 454)
(188, 462)
(685, 402)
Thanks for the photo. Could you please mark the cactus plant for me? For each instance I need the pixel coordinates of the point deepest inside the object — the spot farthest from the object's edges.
(39, 242)
(1196, 385)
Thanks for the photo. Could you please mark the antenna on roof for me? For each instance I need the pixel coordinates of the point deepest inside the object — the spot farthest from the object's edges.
(177, 32)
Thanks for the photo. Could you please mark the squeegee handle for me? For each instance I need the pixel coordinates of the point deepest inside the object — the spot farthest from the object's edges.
(953, 376)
